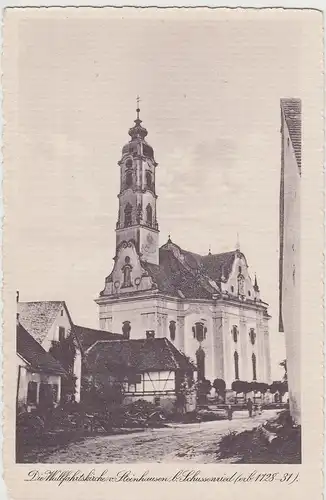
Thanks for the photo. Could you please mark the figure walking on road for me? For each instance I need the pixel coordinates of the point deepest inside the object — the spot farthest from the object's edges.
(249, 406)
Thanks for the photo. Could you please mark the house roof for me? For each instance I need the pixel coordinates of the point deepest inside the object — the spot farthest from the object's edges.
(38, 317)
(35, 355)
(292, 115)
(88, 336)
(189, 275)
(139, 355)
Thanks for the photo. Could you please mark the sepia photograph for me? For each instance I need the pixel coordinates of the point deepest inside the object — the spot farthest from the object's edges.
(155, 175)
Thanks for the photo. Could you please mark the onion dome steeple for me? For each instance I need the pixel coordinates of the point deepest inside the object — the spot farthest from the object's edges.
(137, 131)
(138, 144)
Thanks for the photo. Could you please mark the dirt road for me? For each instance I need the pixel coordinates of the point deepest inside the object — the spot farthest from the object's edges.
(179, 443)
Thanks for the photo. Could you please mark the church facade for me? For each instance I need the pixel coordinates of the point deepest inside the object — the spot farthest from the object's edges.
(206, 305)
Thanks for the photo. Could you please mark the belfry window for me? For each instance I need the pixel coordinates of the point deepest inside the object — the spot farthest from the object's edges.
(199, 331)
(128, 213)
(149, 214)
(128, 179)
(254, 366)
(172, 328)
(241, 286)
(236, 365)
(149, 180)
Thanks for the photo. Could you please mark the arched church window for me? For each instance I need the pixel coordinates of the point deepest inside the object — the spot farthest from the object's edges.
(129, 163)
(149, 214)
(128, 179)
(199, 331)
(200, 358)
(235, 333)
(127, 273)
(148, 180)
(254, 366)
(172, 329)
(252, 335)
(126, 329)
(236, 365)
(128, 213)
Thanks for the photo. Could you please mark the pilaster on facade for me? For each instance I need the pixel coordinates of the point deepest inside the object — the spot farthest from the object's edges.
(243, 345)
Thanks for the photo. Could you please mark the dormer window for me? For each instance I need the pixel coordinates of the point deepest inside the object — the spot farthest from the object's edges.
(126, 329)
(241, 285)
(128, 213)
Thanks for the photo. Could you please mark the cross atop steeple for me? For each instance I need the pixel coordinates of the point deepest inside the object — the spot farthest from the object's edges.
(138, 109)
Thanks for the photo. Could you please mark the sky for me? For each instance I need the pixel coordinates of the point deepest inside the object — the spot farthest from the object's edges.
(210, 87)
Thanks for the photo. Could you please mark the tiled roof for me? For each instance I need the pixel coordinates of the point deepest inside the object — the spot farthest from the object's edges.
(38, 317)
(35, 355)
(186, 274)
(88, 336)
(140, 355)
(292, 115)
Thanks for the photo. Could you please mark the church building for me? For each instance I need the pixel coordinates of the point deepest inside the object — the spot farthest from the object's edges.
(206, 305)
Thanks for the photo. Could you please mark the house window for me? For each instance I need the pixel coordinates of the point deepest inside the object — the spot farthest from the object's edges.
(199, 331)
(240, 269)
(200, 358)
(32, 393)
(236, 365)
(61, 312)
(55, 392)
(254, 367)
(62, 333)
(149, 180)
(172, 328)
(249, 293)
(128, 179)
(235, 333)
(252, 335)
(149, 214)
(128, 212)
(126, 329)
(232, 289)
(46, 395)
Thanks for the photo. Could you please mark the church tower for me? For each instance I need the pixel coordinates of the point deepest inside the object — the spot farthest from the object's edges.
(137, 217)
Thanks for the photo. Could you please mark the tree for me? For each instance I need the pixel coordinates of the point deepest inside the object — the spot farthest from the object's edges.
(239, 386)
(204, 386)
(280, 387)
(65, 352)
(220, 386)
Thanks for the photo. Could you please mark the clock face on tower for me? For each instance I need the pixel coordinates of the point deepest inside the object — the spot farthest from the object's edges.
(149, 246)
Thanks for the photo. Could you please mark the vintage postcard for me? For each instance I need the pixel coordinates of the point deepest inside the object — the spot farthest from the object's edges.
(163, 241)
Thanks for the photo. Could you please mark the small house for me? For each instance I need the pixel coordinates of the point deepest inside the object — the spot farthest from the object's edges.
(152, 369)
(39, 375)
